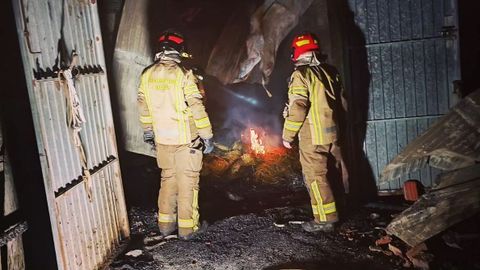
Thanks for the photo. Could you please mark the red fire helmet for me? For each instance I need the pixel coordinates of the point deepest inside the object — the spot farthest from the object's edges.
(171, 40)
(303, 43)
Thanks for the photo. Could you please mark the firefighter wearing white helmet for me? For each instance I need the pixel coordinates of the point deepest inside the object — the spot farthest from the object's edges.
(314, 95)
(175, 122)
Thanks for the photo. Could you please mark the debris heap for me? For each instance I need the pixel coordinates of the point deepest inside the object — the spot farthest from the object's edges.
(250, 157)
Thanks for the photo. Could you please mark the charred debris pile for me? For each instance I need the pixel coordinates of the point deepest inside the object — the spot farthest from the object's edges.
(251, 157)
(449, 211)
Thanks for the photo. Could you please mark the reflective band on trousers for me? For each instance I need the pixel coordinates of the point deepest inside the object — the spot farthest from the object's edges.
(166, 218)
(193, 222)
(202, 123)
(195, 214)
(292, 125)
(321, 209)
(328, 208)
(186, 223)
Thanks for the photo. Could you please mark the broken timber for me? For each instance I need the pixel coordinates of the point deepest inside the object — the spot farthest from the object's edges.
(456, 197)
(451, 143)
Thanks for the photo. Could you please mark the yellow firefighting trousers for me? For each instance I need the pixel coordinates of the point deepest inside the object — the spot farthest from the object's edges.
(180, 176)
(313, 159)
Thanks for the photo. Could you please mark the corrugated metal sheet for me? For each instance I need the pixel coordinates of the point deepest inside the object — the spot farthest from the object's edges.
(412, 67)
(85, 232)
(97, 135)
(10, 234)
(451, 143)
(132, 54)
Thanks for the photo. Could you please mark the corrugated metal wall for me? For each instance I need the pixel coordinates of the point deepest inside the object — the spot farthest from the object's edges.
(412, 67)
(132, 55)
(85, 232)
(11, 228)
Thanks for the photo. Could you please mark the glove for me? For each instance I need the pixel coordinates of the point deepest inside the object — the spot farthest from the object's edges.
(287, 145)
(149, 137)
(207, 146)
(286, 110)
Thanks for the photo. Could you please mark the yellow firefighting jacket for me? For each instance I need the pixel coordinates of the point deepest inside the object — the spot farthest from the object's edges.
(313, 94)
(171, 105)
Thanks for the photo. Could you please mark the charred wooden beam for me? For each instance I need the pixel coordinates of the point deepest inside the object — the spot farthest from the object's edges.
(455, 198)
(449, 144)
(13, 232)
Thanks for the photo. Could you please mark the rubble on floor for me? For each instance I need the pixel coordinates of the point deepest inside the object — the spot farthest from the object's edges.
(451, 144)
(252, 241)
(455, 198)
(273, 239)
(257, 225)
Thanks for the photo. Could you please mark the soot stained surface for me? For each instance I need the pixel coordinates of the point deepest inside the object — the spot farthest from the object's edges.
(255, 241)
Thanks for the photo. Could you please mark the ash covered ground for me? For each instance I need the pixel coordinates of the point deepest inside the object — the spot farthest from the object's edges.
(255, 241)
(253, 224)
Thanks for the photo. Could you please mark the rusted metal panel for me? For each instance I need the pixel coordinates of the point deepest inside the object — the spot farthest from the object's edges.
(64, 161)
(95, 226)
(132, 54)
(412, 66)
(85, 231)
(451, 143)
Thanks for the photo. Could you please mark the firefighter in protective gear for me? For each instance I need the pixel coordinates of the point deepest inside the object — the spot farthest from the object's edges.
(171, 108)
(314, 95)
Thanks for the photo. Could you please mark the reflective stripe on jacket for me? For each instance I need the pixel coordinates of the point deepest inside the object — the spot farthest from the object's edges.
(171, 105)
(312, 96)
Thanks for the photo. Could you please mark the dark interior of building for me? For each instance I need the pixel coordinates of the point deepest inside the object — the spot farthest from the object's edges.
(408, 136)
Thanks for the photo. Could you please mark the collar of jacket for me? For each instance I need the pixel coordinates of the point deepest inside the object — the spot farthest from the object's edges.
(168, 56)
(307, 59)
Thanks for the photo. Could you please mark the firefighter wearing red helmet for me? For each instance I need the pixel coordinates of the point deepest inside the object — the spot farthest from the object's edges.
(175, 122)
(314, 95)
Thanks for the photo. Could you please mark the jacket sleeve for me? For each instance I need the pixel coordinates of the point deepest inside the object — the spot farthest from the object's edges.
(195, 103)
(298, 105)
(146, 119)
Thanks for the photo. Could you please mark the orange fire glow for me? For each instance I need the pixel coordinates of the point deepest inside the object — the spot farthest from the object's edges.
(256, 144)
(261, 143)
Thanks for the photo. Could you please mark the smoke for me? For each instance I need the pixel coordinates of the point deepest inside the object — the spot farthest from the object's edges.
(234, 109)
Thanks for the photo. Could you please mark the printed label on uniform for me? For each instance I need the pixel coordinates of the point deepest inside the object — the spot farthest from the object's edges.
(162, 84)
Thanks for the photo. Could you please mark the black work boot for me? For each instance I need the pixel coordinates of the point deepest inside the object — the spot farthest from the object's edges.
(313, 226)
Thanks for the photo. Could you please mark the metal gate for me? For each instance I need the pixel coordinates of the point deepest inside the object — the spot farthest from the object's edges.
(86, 231)
(412, 53)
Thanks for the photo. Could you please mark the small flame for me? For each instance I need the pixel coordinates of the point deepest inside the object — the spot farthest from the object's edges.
(256, 144)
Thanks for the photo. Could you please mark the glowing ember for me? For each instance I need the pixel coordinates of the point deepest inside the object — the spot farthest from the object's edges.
(255, 143)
